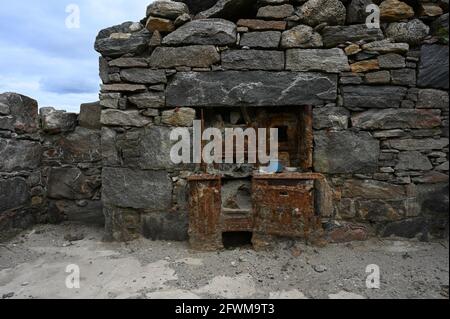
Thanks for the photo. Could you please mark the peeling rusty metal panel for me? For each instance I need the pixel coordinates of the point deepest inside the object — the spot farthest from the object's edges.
(204, 213)
(284, 205)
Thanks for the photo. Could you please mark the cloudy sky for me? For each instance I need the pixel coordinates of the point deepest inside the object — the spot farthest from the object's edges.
(42, 58)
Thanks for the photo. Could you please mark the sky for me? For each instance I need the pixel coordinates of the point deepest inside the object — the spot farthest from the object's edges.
(45, 56)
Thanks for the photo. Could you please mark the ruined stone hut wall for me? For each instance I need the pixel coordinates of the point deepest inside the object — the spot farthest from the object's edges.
(50, 165)
(380, 99)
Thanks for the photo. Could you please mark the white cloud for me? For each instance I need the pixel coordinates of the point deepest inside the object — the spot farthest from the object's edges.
(41, 58)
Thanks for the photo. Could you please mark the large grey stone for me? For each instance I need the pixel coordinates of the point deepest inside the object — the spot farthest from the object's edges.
(433, 69)
(183, 116)
(23, 112)
(123, 118)
(264, 40)
(90, 115)
(4, 108)
(301, 36)
(314, 12)
(412, 32)
(251, 88)
(147, 148)
(119, 40)
(345, 152)
(143, 76)
(167, 9)
(432, 99)
(253, 60)
(391, 61)
(385, 46)
(330, 60)
(79, 146)
(276, 12)
(413, 160)
(14, 193)
(200, 56)
(55, 122)
(148, 100)
(71, 183)
(150, 190)
(377, 97)
(405, 77)
(335, 35)
(330, 117)
(397, 118)
(426, 144)
(16, 155)
(370, 189)
(204, 31)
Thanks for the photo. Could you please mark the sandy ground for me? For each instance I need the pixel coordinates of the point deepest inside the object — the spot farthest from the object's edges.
(34, 264)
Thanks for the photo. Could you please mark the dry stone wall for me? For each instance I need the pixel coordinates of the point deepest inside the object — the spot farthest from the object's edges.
(380, 99)
(50, 164)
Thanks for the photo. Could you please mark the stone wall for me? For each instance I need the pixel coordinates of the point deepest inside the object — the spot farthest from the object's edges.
(380, 99)
(50, 164)
(22, 188)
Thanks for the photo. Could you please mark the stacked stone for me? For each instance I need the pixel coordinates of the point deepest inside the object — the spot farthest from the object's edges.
(380, 99)
(22, 190)
(71, 164)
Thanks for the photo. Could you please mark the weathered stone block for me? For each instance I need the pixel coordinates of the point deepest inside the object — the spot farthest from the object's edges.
(432, 99)
(143, 76)
(332, 60)
(253, 60)
(14, 193)
(252, 88)
(124, 118)
(16, 155)
(54, 121)
(405, 77)
(418, 144)
(345, 152)
(411, 32)
(167, 9)
(262, 25)
(148, 100)
(334, 35)
(301, 36)
(275, 12)
(314, 12)
(90, 115)
(126, 188)
(363, 96)
(203, 31)
(199, 56)
(330, 117)
(413, 160)
(23, 112)
(397, 118)
(179, 117)
(121, 39)
(80, 146)
(264, 40)
(391, 61)
(433, 69)
(71, 183)
(147, 148)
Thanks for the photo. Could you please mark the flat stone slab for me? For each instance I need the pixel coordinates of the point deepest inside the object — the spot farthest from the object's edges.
(250, 88)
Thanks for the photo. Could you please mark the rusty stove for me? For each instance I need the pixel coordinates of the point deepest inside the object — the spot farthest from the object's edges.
(235, 198)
